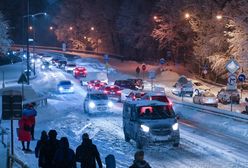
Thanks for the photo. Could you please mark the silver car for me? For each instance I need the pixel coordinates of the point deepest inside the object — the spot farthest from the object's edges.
(205, 98)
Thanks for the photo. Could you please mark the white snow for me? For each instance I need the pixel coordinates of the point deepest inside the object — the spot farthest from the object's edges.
(201, 146)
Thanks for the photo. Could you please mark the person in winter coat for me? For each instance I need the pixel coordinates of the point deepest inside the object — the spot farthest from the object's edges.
(24, 134)
(40, 147)
(139, 161)
(32, 119)
(137, 71)
(49, 149)
(64, 156)
(87, 153)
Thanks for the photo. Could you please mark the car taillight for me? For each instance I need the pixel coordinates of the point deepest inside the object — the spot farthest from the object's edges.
(85, 71)
(105, 91)
(96, 87)
(118, 91)
(134, 97)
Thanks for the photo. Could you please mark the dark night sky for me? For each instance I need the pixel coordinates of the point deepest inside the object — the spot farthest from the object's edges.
(13, 11)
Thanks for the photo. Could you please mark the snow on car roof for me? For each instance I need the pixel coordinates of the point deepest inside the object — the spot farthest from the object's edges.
(148, 103)
(95, 92)
(150, 93)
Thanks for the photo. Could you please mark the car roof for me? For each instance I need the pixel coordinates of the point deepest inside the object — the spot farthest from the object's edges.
(155, 93)
(95, 92)
(63, 81)
(140, 103)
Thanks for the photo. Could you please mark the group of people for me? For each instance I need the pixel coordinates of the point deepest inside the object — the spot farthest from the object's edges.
(54, 153)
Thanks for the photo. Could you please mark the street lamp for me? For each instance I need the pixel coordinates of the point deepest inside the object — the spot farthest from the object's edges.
(219, 17)
(187, 15)
(28, 40)
(50, 28)
(70, 28)
(92, 28)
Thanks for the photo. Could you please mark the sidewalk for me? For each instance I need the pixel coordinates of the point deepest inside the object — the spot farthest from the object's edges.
(3, 158)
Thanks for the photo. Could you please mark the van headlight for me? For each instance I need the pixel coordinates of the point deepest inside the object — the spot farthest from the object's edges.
(61, 88)
(175, 126)
(92, 105)
(145, 128)
(110, 104)
(43, 67)
(50, 66)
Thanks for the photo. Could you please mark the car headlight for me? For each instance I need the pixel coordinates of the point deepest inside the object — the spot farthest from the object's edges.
(50, 66)
(71, 88)
(145, 128)
(175, 126)
(110, 104)
(92, 105)
(61, 88)
(43, 67)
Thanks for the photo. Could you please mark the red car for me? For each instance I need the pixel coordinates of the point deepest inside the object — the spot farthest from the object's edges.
(91, 84)
(113, 91)
(99, 85)
(79, 72)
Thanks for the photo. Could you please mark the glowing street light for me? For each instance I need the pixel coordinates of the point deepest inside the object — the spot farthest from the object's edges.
(70, 28)
(155, 17)
(85, 37)
(92, 28)
(51, 28)
(30, 28)
(187, 15)
(219, 17)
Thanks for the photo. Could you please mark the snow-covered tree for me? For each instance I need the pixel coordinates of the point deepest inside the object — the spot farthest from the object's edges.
(5, 42)
(236, 16)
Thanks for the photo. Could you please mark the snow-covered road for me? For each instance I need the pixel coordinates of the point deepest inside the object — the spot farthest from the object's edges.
(200, 146)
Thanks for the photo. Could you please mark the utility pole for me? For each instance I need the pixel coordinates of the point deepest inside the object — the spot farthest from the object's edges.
(28, 57)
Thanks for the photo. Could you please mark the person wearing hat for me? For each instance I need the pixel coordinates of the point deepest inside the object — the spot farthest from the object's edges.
(139, 161)
(87, 153)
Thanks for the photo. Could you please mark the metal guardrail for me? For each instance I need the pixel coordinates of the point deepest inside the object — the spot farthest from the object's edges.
(41, 101)
(215, 111)
(73, 50)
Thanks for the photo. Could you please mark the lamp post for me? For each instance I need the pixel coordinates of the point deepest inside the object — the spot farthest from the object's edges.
(27, 29)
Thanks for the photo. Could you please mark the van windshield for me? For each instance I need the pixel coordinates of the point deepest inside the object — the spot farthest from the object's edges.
(155, 112)
(98, 97)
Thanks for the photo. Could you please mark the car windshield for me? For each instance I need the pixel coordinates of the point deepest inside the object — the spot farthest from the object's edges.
(155, 112)
(65, 83)
(98, 97)
(198, 84)
(208, 94)
(71, 65)
(160, 98)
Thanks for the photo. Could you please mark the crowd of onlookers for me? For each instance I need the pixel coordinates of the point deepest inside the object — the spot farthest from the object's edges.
(54, 153)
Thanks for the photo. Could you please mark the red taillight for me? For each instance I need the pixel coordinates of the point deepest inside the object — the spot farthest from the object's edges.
(134, 97)
(96, 88)
(170, 103)
(85, 71)
(105, 91)
(119, 91)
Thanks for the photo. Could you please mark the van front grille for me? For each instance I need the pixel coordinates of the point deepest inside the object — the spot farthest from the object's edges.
(161, 131)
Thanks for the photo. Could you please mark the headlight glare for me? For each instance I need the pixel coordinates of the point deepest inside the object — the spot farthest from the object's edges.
(145, 128)
(92, 105)
(175, 126)
(110, 104)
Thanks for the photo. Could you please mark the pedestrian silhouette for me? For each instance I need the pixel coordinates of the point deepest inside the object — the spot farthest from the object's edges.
(24, 132)
(64, 156)
(110, 161)
(87, 153)
(139, 161)
(40, 147)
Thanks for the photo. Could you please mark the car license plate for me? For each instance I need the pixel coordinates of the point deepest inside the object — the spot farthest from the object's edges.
(112, 92)
(102, 108)
(161, 138)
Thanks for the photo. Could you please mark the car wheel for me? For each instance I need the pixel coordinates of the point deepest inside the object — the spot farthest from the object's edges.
(127, 138)
(85, 110)
(176, 144)
(191, 95)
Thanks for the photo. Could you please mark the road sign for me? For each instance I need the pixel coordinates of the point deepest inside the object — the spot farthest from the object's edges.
(205, 71)
(241, 77)
(232, 82)
(106, 58)
(232, 66)
(152, 74)
(22, 79)
(11, 105)
(162, 61)
(143, 67)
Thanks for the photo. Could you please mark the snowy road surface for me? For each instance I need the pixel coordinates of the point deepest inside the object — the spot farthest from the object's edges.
(200, 146)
